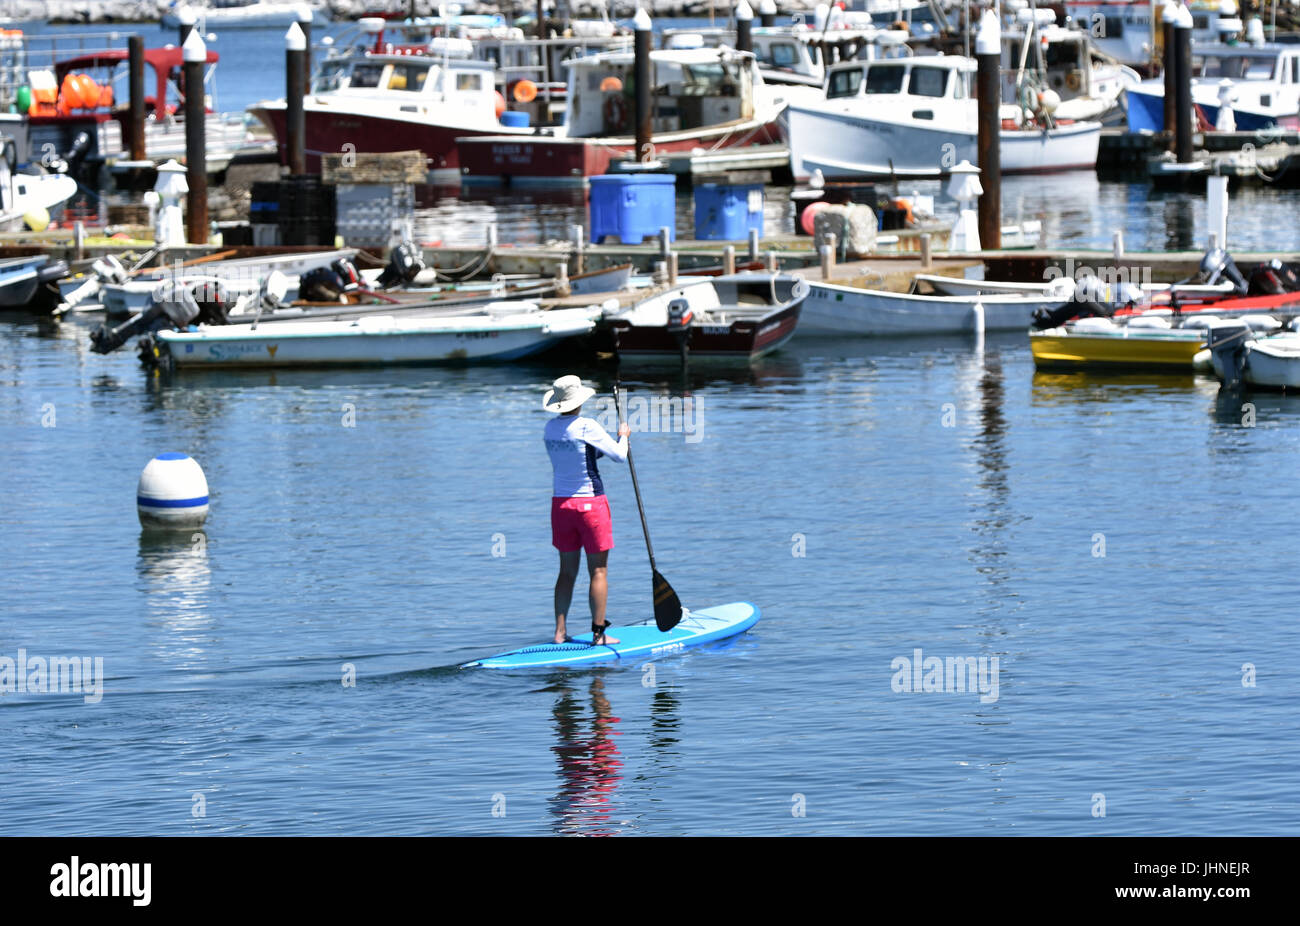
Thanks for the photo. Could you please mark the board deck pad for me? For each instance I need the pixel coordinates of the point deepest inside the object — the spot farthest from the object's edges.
(635, 640)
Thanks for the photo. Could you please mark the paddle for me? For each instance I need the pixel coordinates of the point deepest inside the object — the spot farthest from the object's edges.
(668, 607)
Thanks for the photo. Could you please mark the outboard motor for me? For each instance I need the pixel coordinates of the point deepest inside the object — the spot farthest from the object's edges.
(1273, 279)
(1216, 263)
(1092, 298)
(329, 284)
(404, 265)
(680, 316)
(173, 305)
(1227, 343)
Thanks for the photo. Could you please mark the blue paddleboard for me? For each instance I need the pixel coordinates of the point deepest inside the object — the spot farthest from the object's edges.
(635, 640)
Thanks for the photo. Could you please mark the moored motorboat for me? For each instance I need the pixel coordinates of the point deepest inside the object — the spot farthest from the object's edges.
(500, 332)
(28, 282)
(739, 317)
(834, 309)
(916, 117)
(1240, 356)
(1100, 342)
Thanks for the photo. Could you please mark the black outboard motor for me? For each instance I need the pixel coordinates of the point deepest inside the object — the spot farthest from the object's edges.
(404, 265)
(680, 316)
(1273, 279)
(329, 284)
(1092, 297)
(1227, 342)
(1216, 263)
(173, 305)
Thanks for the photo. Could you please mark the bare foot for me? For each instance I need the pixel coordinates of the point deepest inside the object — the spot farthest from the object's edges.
(562, 638)
(604, 639)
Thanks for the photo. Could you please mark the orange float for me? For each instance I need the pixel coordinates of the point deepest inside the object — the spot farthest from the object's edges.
(525, 91)
(500, 103)
(611, 83)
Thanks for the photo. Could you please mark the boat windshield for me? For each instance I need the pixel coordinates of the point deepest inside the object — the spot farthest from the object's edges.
(886, 78)
(844, 83)
(408, 77)
(927, 81)
(777, 54)
(1237, 67)
(331, 77)
(366, 75)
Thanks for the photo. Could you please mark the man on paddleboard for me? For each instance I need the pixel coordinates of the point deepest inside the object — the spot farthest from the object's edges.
(579, 510)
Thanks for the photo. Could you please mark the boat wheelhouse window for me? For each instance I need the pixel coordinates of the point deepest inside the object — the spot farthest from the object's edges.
(929, 81)
(844, 83)
(1237, 67)
(1113, 26)
(331, 77)
(408, 77)
(886, 79)
(366, 76)
(469, 81)
(707, 79)
(781, 55)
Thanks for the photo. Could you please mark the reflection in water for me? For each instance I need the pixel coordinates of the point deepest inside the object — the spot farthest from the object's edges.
(665, 727)
(991, 510)
(1180, 219)
(590, 767)
(1085, 386)
(175, 578)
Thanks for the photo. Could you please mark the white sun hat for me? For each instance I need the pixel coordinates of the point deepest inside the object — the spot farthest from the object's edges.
(566, 394)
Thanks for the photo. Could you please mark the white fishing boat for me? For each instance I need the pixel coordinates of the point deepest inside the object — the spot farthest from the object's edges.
(22, 195)
(1125, 29)
(1044, 62)
(836, 310)
(917, 117)
(500, 331)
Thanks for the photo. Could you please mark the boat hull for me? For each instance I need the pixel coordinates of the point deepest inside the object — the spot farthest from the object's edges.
(844, 146)
(1271, 363)
(834, 310)
(372, 341)
(541, 159)
(329, 130)
(1137, 348)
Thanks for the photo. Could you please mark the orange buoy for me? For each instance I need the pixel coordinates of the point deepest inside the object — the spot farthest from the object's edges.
(89, 91)
(525, 91)
(611, 83)
(500, 103)
(106, 96)
(808, 219)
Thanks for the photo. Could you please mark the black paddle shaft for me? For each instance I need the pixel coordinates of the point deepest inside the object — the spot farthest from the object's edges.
(667, 606)
(636, 488)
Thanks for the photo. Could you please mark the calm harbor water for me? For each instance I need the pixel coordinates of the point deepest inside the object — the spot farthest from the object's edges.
(372, 546)
(1121, 544)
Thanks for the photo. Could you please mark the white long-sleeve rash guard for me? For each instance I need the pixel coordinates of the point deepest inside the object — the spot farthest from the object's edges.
(574, 444)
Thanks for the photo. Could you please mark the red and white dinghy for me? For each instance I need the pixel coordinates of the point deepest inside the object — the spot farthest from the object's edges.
(703, 98)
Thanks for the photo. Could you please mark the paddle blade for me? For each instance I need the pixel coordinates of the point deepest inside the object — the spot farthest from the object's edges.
(668, 607)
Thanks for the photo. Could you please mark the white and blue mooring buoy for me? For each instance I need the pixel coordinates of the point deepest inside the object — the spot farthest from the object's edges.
(173, 492)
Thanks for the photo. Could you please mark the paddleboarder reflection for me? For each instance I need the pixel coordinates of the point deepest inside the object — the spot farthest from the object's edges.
(590, 766)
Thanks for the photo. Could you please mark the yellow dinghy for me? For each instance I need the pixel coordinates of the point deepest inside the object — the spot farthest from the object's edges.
(1099, 342)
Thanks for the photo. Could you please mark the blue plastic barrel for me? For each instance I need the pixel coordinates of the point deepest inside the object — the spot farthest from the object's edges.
(728, 211)
(514, 119)
(632, 207)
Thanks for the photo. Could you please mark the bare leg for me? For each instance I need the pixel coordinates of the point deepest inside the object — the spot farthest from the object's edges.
(564, 590)
(598, 592)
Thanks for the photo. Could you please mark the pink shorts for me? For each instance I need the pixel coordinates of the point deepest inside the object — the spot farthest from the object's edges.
(581, 522)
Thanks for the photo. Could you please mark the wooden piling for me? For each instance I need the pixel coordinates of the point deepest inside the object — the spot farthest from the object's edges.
(135, 67)
(295, 123)
(988, 55)
(641, 81)
(194, 54)
(744, 27)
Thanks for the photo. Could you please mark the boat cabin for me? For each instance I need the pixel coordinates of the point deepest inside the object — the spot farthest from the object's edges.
(443, 75)
(921, 78)
(692, 88)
